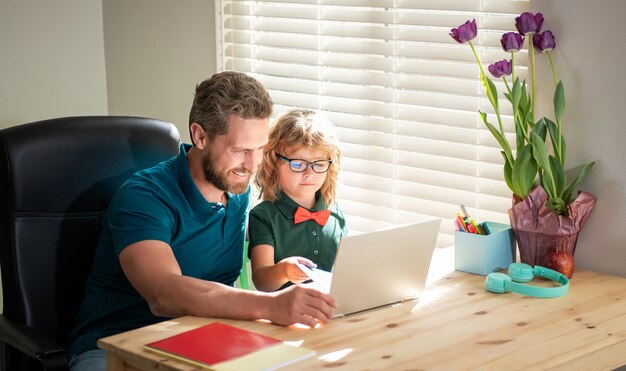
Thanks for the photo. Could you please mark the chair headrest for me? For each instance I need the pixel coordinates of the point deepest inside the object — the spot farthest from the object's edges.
(75, 164)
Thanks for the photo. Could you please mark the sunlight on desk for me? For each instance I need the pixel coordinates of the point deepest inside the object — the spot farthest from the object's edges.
(335, 356)
(295, 343)
(299, 326)
(441, 264)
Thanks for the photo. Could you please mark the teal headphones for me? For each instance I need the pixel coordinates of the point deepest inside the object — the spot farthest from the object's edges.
(520, 272)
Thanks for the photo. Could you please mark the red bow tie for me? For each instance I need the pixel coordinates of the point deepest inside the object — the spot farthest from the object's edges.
(303, 214)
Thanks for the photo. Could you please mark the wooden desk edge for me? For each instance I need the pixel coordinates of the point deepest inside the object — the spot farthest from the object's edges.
(609, 357)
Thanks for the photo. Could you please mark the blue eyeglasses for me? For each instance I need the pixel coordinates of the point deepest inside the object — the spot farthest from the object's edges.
(299, 166)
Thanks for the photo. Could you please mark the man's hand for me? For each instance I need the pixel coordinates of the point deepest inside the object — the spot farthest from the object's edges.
(292, 272)
(299, 304)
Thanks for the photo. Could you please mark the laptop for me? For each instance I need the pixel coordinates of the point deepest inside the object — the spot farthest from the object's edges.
(379, 268)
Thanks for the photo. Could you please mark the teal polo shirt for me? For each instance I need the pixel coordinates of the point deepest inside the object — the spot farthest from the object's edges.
(271, 223)
(161, 203)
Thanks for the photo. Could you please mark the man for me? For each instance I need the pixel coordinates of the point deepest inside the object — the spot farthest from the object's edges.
(172, 239)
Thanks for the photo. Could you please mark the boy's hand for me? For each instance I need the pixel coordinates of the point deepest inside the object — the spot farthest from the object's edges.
(292, 271)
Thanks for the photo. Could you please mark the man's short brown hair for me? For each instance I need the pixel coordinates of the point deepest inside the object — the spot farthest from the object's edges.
(227, 93)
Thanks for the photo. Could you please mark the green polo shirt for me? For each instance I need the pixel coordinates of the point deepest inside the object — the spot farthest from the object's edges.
(161, 203)
(271, 223)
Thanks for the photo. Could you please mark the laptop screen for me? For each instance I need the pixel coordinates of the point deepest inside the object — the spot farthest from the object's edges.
(379, 268)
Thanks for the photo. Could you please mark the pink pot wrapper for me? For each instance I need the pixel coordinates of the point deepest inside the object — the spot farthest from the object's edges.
(539, 231)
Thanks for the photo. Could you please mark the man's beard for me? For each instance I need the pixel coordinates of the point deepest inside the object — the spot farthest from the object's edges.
(220, 180)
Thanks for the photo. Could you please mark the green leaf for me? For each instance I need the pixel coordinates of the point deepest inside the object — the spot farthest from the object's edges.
(524, 95)
(519, 135)
(508, 96)
(558, 205)
(563, 151)
(567, 194)
(504, 144)
(508, 170)
(516, 94)
(554, 135)
(490, 89)
(520, 122)
(547, 183)
(540, 153)
(529, 115)
(559, 175)
(559, 101)
(524, 171)
(540, 129)
(526, 104)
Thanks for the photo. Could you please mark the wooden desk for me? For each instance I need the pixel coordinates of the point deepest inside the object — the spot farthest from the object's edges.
(457, 325)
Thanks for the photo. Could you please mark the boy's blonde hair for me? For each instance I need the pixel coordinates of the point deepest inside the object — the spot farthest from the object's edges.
(299, 128)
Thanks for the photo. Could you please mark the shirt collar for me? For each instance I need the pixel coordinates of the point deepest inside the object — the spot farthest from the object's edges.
(288, 207)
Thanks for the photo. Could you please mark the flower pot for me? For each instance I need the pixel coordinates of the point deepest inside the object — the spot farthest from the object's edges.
(539, 231)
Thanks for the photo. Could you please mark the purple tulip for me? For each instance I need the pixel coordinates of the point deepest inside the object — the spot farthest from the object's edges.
(544, 41)
(529, 23)
(501, 68)
(465, 32)
(512, 41)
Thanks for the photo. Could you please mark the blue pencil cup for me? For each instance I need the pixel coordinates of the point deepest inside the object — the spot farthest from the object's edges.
(480, 254)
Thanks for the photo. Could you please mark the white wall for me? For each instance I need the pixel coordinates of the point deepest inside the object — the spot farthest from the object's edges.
(589, 59)
(94, 57)
(156, 53)
(51, 60)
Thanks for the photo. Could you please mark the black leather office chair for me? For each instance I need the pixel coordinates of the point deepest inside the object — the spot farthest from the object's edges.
(56, 180)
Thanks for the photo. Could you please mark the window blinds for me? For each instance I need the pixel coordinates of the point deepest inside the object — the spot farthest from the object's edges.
(403, 96)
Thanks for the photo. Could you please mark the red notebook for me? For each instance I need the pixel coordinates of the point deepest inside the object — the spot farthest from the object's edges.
(219, 346)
